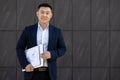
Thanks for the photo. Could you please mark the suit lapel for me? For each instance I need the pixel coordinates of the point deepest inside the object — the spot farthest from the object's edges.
(34, 34)
(50, 36)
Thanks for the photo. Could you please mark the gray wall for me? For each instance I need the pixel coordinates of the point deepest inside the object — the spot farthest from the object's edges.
(91, 29)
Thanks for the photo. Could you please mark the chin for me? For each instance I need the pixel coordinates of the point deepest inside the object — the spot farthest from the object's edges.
(45, 22)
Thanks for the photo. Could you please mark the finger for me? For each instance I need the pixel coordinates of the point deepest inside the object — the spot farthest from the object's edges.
(27, 70)
(31, 69)
(42, 55)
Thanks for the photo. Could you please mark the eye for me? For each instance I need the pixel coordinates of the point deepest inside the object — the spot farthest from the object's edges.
(47, 13)
(42, 12)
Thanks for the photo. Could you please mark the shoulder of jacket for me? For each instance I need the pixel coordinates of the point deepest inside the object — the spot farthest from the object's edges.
(55, 28)
(30, 27)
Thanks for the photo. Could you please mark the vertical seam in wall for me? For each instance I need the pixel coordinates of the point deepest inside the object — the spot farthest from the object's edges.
(109, 43)
(35, 8)
(16, 41)
(90, 39)
(72, 41)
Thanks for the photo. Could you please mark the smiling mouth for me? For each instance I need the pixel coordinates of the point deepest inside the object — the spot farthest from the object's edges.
(44, 18)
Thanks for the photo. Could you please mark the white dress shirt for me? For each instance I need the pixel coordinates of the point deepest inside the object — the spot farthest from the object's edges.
(42, 38)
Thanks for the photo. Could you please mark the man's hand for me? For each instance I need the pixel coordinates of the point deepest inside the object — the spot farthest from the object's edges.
(46, 55)
(29, 68)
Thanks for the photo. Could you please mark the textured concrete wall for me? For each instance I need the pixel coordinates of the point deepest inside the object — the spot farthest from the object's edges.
(91, 29)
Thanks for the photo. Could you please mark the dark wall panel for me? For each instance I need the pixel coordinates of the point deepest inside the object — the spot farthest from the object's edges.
(63, 14)
(100, 48)
(81, 48)
(100, 14)
(81, 74)
(7, 49)
(8, 74)
(25, 13)
(81, 14)
(18, 34)
(64, 74)
(115, 14)
(100, 74)
(66, 60)
(20, 75)
(8, 14)
(115, 74)
(115, 48)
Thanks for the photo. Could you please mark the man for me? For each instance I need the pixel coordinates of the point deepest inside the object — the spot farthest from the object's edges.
(46, 34)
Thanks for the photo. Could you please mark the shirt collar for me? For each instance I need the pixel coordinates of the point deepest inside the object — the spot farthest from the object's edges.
(40, 28)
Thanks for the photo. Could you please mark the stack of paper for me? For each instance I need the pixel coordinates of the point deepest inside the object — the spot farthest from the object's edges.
(33, 56)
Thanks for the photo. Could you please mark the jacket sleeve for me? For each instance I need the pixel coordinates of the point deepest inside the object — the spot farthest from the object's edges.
(20, 49)
(61, 47)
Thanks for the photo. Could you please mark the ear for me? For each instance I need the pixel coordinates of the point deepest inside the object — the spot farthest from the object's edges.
(51, 15)
(36, 13)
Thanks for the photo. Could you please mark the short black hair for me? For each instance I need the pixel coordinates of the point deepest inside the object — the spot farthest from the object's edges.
(44, 5)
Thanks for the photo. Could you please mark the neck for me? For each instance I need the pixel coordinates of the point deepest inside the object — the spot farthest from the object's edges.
(43, 25)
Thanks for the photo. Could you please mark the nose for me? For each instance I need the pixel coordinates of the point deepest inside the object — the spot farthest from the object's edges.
(44, 14)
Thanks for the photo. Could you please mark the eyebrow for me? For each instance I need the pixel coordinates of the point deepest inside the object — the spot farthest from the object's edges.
(45, 10)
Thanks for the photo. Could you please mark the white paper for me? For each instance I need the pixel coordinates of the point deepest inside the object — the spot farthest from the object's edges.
(33, 56)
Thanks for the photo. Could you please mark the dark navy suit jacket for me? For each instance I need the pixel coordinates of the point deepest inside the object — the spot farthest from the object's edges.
(56, 46)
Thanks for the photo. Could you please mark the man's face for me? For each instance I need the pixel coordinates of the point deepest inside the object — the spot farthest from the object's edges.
(44, 15)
